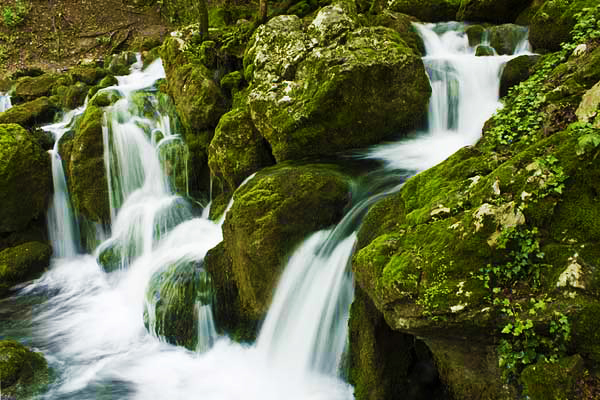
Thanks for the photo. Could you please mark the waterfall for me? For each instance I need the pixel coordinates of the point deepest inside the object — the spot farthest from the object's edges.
(5, 103)
(63, 228)
(103, 322)
(465, 93)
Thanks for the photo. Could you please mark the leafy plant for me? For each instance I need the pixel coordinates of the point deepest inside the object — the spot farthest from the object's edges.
(13, 17)
(588, 137)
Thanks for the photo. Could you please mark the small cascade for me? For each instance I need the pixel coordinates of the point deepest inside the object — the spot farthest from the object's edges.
(5, 102)
(465, 93)
(63, 228)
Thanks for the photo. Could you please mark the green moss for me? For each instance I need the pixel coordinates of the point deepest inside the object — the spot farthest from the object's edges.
(171, 297)
(87, 175)
(21, 263)
(553, 381)
(23, 372)
(586, 335)
(490, 10)
(269, 217)
(29, 88)
(36, 112)
(25, 178)
(428, 10)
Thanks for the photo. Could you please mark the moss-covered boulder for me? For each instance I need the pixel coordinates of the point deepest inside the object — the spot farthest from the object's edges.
(23, 372)
(427, 10)
(237, 150)
(25, 178)
(271, 214)
(516, 71)
(491, 10)
(333, 86)
(506, 38)
(21, 263)
(87, 174)
(172, 300)
(30, 88)
(387, 364)
(545, 380)
(550, 22)
(402, 24)
(35, 112)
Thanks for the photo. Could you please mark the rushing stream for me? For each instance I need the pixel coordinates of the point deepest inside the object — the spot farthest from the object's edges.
(90, 323)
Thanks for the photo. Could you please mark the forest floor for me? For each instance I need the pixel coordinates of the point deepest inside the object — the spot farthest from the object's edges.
(55, 34)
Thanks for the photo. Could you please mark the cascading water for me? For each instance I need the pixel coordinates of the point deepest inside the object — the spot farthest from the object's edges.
(92, 325)
(62, 226)
(5, 102)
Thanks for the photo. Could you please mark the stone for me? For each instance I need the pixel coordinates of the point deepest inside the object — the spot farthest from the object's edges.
(25, 178)
(21, 263)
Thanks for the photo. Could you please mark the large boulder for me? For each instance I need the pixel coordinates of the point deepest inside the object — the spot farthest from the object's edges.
(491, 256)
(25, 178)
(550, 22)
(270, 215)
(86, 172)
(21, 263)
(506, 38)
(427, 10)
(30, 88)
(495, 11)
(333, 86)
(237, 150)
(35, 112)
(23, 372)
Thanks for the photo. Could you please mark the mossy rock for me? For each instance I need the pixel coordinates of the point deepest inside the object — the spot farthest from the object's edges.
(105, 98)
(551, 23)
(516, 71)
(39, 111)
(237, 150)
(557, 381)
(505, 38)
(87, 174)
(21, 263)
(401, 23)
(229, 316)
(171, 297)
(497, 12)
(107, 81)
(197, 97)
(484, 51)
(332, 87)
(72, 96)
(475, 34)
(87, 74)
(271, 214)
(119, 64)
(428, 10)
(25, 178)
(23, 373)
(386, 364)
(30, 88)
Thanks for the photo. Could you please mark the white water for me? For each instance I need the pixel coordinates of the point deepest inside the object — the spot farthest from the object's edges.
(5, 102)
(62, 225)
(465, 93)
(92, 328)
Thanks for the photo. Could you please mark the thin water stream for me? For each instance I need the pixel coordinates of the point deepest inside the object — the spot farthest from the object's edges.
(91, 325)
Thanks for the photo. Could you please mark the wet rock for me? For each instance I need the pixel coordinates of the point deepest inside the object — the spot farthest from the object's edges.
(506, 38)
(23, 372)
(36, 112)
(271, 214)
(22, 263)
(516, 71)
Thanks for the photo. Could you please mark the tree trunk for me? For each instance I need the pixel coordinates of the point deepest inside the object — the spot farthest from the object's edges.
(262, 11)
(203, 15)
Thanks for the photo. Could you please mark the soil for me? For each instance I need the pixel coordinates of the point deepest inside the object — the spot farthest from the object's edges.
(57, 34)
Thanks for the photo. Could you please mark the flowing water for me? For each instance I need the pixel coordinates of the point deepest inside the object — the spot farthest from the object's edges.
(5, 102)
(92, 321)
